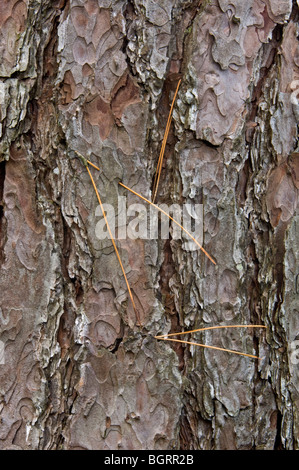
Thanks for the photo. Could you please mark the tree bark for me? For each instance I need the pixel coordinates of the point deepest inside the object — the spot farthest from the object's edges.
(98, 77)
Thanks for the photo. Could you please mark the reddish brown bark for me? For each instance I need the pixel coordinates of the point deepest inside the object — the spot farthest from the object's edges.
(98, 77)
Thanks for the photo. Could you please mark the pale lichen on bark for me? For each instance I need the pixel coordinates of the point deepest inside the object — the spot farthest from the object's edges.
(98, 77)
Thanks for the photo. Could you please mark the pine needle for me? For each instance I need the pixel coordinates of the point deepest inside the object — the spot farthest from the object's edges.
(210, 347)
(160, 160)
(115, 247)
(210, 328)
(92, 164)
(171, 218)
(166, 338)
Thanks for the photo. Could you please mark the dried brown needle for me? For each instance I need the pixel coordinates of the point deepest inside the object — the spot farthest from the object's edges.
(92, 164)
(114, 244)
(166, 338)
(211, 328)
(171, 218)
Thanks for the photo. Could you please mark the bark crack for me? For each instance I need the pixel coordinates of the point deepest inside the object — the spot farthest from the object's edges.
(2, 217)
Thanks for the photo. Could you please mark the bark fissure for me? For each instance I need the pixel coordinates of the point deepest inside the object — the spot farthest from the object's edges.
(98, 78)
(2, 218)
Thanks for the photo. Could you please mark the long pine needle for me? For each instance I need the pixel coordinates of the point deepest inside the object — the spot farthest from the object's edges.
(114, 246)
(92, 164)
(210, 347)
(166, 338)
(211, 328)
(171, 218)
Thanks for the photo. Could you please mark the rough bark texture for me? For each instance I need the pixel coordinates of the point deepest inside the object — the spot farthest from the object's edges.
(98, 76)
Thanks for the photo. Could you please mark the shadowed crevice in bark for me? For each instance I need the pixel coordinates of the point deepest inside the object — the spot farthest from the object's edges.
(167, 271)
(2, 218)
(129, 16)
(278, 443)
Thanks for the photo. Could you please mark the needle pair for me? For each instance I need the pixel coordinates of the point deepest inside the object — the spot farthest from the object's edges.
(170, 337)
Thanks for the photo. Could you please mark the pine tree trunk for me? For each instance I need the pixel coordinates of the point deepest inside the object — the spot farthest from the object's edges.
(98, 77)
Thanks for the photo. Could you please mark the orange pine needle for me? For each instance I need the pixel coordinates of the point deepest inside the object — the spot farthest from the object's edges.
(160, 160)
(115, 247)
(210, 347)
(171, 218)
(210, 328)
(92, 164)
